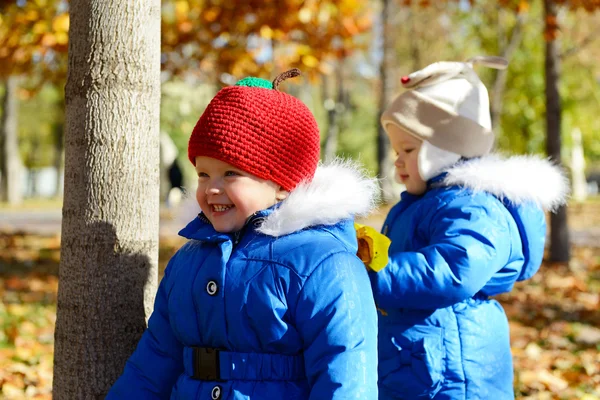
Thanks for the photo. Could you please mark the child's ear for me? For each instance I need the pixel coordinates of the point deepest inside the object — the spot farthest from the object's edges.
(282, 194)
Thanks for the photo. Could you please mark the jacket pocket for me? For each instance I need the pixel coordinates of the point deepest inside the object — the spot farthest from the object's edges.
(416, 369)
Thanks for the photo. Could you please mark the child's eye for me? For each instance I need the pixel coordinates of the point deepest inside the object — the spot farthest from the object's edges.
(202, 175)
(231, 173)
(408, 151)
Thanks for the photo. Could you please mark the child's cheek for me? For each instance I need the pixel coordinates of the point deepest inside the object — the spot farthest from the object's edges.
(200, 198)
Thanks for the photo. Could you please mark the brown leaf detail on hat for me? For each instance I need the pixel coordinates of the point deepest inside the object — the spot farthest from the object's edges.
(292, 73)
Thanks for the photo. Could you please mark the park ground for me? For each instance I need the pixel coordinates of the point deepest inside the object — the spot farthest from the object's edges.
(554, 317)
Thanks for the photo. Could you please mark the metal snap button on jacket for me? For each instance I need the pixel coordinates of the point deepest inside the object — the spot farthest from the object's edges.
(212, 288)
(215, 394)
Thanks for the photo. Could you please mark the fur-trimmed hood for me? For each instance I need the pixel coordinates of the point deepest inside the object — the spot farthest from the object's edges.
(517, 179)
(338, 191)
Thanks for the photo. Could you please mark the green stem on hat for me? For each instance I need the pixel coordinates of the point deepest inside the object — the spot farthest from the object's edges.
(251, 81)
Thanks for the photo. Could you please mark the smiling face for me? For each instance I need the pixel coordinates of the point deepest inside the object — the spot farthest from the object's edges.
(407, 149)
(228, 196)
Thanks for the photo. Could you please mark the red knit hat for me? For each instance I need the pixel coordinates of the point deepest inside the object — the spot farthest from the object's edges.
(260, 130)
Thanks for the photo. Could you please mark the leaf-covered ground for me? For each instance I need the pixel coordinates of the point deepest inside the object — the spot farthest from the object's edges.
(555, 322)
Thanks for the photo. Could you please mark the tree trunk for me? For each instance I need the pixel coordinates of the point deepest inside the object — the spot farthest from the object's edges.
(32, 169)
(415, 49)
(559, 231)
(501, 76)
(11, 168)
(59, 148)
(58, 136)
(577, 164)
(384, 159)
(109, 245)
(330, 143)
(334, 107)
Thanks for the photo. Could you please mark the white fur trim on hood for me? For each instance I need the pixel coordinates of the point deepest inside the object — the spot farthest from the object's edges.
(338, 191)
(518, 179)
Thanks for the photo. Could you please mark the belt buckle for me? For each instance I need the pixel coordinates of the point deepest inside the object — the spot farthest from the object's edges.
(206, 364)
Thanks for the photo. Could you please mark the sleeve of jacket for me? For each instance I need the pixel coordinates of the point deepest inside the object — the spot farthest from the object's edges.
(336, 317)
(469, 243)
(157, 362)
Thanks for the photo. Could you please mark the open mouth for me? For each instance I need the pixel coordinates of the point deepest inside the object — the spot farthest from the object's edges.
(221, 208)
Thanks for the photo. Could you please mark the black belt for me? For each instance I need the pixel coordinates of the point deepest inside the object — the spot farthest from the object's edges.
(206, 364)
(212, 364)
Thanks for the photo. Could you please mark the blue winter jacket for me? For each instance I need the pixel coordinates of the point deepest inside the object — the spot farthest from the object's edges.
(477, 230)
(285, 301)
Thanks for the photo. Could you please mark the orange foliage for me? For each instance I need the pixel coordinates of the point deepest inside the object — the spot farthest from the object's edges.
(552, 28)
(211, 37)
(201, 36)
(260, 37)
(34, 36)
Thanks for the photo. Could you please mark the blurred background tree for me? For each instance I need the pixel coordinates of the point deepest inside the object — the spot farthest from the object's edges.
(33, 45)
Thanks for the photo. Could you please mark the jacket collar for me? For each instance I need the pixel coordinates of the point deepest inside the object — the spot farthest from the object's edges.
(200, 228)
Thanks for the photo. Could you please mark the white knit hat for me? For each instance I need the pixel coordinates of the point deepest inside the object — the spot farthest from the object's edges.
(448, 108)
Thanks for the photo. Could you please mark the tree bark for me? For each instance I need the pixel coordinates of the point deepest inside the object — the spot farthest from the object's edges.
(109, 245)
(501, 76)
(384, 159)
(335, 107)
(415, 49)
(11, 166)
(58, 136)
(559, 231)
(59, 149)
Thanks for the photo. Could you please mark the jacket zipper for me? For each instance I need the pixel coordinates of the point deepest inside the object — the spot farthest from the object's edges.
(237, 236)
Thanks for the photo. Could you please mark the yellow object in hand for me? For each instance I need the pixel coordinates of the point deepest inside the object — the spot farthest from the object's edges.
(372, 247)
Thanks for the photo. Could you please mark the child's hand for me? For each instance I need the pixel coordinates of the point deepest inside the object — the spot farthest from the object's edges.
(372, 247)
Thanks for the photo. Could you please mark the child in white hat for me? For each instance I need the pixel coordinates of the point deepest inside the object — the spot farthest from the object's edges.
(468, 226)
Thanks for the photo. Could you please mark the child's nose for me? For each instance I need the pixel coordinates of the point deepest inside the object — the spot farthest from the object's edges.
(213, 188)
(399, 162)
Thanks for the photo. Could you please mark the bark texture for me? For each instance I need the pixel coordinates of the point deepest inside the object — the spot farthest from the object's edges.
(559, 230)
(11, 168)
(109, 253)
(385, 163)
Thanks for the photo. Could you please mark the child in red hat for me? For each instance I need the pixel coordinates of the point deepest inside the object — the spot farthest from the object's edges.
(268, 299)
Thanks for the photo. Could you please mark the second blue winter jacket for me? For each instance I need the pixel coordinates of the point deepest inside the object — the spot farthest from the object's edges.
(477, 230)
(286, 301)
